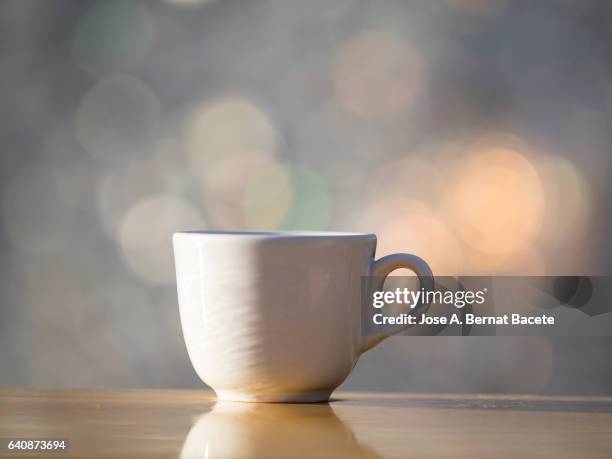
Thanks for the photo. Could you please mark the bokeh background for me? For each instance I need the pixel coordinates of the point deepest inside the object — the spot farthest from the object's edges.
(475, 133)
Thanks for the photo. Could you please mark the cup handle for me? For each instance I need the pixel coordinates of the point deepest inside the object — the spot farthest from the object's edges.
(382, 268)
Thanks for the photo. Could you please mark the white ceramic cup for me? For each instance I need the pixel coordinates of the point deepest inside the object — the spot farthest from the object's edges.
(276, 317)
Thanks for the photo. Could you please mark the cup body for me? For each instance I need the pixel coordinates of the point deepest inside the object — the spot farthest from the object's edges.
(272, 317)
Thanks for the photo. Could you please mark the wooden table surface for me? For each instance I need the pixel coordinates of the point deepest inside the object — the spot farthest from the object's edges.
(173, 423)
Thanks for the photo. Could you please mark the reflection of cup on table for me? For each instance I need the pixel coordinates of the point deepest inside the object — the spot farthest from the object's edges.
(237, 430)
(276, 317)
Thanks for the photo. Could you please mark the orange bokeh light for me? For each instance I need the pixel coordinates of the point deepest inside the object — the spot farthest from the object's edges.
(496, 200)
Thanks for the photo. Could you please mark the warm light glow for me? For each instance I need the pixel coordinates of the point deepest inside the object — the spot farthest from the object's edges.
(409, 226)
(496, 200)
(227, 127)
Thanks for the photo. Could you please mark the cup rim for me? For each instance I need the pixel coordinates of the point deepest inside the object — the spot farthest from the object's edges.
(274, 234)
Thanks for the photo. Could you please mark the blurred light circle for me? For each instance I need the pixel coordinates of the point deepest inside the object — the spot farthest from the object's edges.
(311, 204)
(224, 187)
(267, 197)
(568, 200)
(496, 200)
(409, 226)
(146, 231)
(378, 73)
(112, 36)
(34, 215)
(118, 117)
(258, 192)
(230, 126)
(428, 237)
